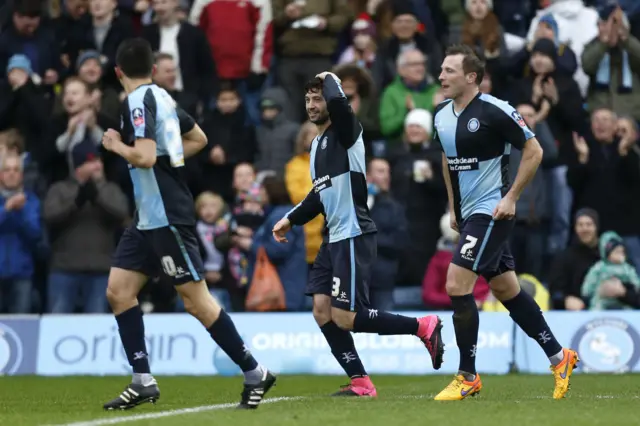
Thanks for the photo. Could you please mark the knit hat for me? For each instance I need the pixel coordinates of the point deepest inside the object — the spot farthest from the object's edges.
(86, 55)
(19, 61)
(363, 25)
(551, 22)
(546, 47)
(614, 241)
(420, 117)
(590, 213)
(606, 9)
(467, 4)
(403, 7)
(82, 152)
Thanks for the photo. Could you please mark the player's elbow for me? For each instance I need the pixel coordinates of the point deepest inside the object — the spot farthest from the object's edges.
(146, 161)
(533, 151)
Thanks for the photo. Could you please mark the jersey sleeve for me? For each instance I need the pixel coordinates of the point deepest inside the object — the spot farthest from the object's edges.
(187, 123)
(143, 111)
(511, 125)
(345, 124)
(306, 210)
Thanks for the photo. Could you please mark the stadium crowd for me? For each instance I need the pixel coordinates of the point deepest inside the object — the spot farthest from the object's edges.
(570, 67)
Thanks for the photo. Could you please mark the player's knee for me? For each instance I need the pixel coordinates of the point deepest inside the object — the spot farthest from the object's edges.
(118, 295)
(321, 309)
(459, 281)
(505, 286)
(343, 319)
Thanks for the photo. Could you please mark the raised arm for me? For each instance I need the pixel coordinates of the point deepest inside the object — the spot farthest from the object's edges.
(343, 120)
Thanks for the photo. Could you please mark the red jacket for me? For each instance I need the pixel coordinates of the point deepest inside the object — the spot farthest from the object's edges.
(239, 33)
(434, 294)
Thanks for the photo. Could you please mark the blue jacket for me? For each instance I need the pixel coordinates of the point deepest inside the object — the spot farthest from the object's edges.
(20, 233)
(288, 258)
(391, 222)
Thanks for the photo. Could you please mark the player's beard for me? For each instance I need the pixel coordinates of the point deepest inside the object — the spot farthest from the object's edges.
(322, 118)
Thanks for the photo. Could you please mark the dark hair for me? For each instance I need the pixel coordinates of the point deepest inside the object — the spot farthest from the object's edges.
(76, 79)
(135, 58)
(358, 75)
(161, 56)
(471, 62)
(372, 159)
(228, 86)
(276, 191)
(313, 86)
(30, 8)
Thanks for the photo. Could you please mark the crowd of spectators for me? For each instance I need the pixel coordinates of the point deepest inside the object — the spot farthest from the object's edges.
(570, 67)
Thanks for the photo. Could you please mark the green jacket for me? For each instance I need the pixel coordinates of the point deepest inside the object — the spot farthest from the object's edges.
(393, 106)
(604, 270)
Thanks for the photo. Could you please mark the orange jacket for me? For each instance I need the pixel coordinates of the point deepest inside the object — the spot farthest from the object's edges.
(298, 180)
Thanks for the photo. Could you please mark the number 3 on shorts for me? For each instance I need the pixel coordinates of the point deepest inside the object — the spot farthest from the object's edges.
(335, 290)
(470, 244)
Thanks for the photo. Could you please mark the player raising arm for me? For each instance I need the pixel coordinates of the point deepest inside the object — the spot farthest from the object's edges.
(157, 135)
(339, 280)
(472, 128)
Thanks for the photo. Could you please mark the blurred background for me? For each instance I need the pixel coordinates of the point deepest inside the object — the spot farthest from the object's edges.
(570, 67)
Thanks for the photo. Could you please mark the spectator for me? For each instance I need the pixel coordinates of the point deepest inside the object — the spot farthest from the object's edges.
(307, 39)
(411, 89)
(570, 267)
(516, 16)
(612, 61)
(166, 77)
(418, 185)
(231, 142)
(434, 293)
(518, 64)
(357, 85)
(83, 212)
(28, 35)
(481, 30)
(67, 23)
(607, 179)
(245, 61)
(78, 123)
(405, 37)
(362, 51)
(298, 180)
(532, 208)
(23, 106)
(576, 27)
(12, 144)
(103, 29)
(276, 136)
(288, 258)
(189, 49)
(210, 207)
(392, 235)
(612, 268)
(20, 231)
(104, 99)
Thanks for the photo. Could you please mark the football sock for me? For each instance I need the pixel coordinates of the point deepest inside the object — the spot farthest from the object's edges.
(255, 376)
(143, 379)
(466, 322)
(131, 329)
(343, 349)
(225, 334)
(527, 314)
(384, 323)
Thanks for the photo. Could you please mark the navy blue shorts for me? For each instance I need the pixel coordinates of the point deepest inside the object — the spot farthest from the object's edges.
(342, 270)
(171, 252)
(484, 246)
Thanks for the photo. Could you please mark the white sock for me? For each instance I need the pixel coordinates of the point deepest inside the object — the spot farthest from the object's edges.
(255, 376)
(557, 358)
(144, 379)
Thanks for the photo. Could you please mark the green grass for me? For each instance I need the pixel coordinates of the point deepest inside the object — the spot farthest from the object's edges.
(402, 401)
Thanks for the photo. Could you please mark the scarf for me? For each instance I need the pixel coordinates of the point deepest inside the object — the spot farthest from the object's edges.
(603, 77)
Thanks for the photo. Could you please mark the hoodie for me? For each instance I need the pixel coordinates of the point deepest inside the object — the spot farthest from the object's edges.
(276, 138)
(604, 270)
(577, 25)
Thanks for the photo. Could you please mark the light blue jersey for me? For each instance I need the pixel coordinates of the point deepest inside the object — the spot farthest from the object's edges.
(161, 193)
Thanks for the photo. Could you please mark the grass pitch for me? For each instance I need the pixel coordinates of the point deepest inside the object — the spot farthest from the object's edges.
(505, 400)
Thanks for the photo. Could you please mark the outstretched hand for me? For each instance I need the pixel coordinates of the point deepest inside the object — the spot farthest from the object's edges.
(280, 230)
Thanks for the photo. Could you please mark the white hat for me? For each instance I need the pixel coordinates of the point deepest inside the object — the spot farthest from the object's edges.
(420, 117)
(467, 4)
